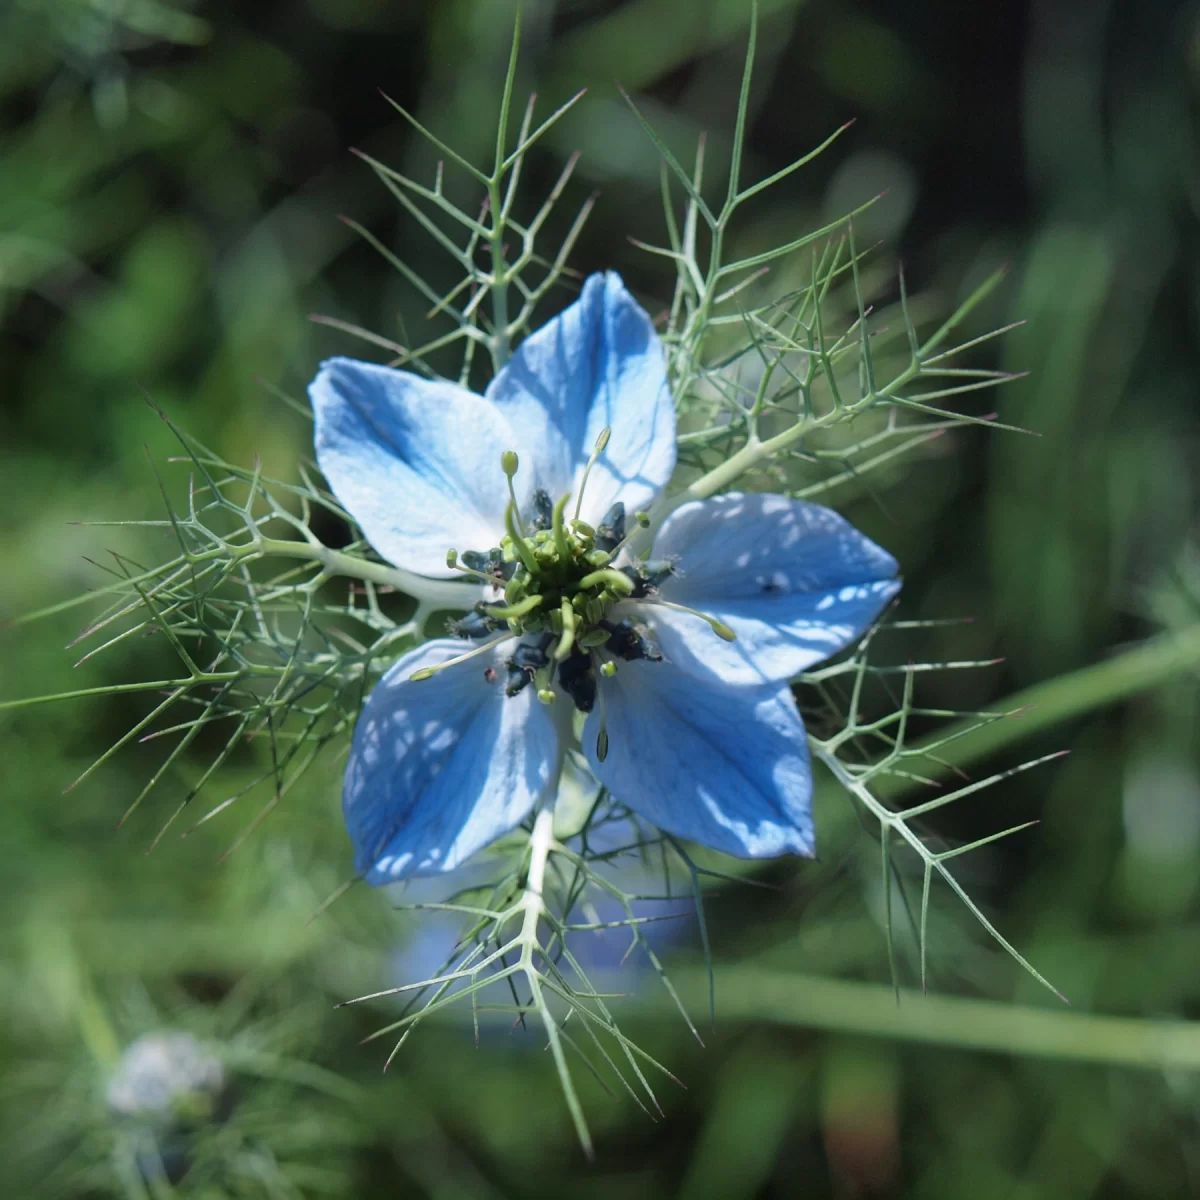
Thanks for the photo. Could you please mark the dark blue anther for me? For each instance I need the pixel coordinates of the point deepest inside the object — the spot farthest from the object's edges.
(473, 625)
(527, 658)
(529, 655)
(578, 680)
(655, 570)
(627, 643)
(646, 576)
(516, 681)
(490, 563)
(640, 586)
(543, 508)
(611, 529)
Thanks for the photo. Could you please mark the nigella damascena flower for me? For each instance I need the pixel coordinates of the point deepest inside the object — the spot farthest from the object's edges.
(680, 655)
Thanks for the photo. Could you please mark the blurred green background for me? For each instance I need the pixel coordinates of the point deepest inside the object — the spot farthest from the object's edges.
(170, 181)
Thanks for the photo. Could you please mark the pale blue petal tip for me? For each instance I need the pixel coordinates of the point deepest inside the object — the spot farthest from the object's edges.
(415, 462)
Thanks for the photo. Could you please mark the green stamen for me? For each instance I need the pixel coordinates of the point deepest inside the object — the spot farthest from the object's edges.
(512, 522)
(515, 589)
(597, 450)
(641, 520)
(602, 736)
(509, 462)
(454, 565)
(560, 530)
(545, 693)
(429, 672)
(718, 627)
(609, 578)
(508, 612)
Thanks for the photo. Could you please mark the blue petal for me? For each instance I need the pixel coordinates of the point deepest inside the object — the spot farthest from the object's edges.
(441, 767)
(795, 581)
(416, 463)
(599, 363)
(724, 766)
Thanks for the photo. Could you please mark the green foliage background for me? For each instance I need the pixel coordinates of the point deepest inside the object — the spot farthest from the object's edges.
(170, 181)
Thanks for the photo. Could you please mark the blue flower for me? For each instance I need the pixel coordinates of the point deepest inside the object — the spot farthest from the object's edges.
(680, 657)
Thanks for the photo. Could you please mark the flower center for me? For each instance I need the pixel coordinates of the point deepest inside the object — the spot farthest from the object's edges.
(560, 581)
(559, 588)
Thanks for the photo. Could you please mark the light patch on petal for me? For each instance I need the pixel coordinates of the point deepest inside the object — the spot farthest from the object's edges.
(724, 766)
(441, 767)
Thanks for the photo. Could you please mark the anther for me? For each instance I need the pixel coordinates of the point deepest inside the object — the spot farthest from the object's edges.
(543, 509)
(610, 533)
(602, 736)
(641, 520)
(627, 642)
(473, 625)
(465, 567)
(578, 680)
(608, 668)
(476, 560)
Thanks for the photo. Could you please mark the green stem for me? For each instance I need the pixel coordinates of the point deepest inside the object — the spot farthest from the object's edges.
(201, 679)
(541, 843)
(756, 451)
(449, 592)
(751, 993)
